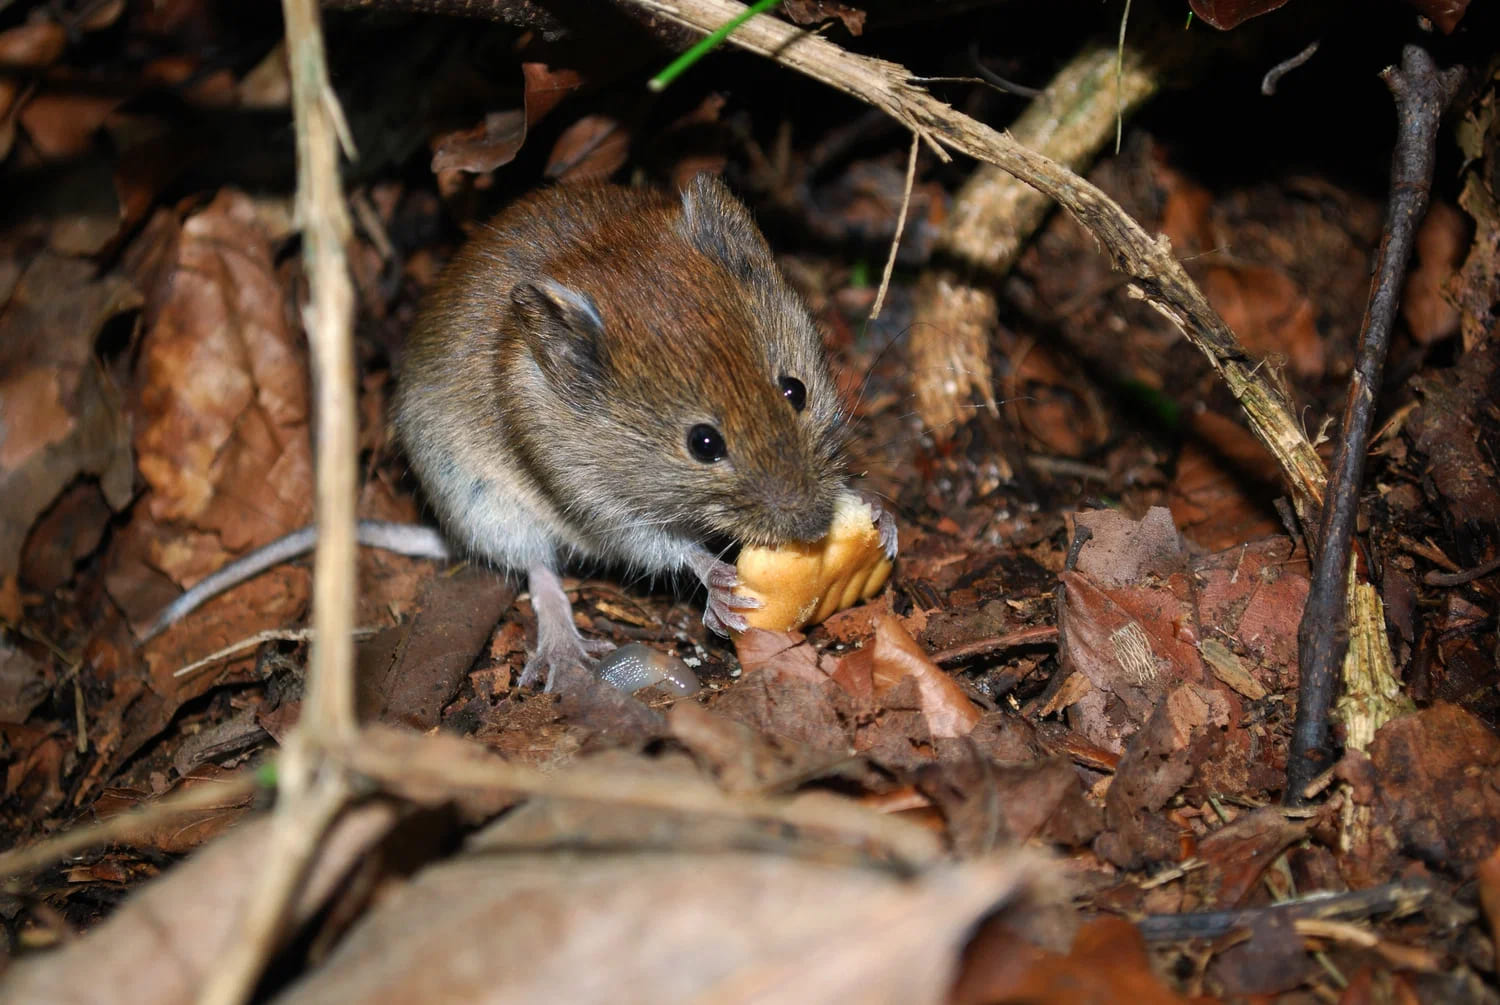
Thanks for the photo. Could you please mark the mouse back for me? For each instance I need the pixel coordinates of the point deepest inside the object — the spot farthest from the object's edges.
(643, 362)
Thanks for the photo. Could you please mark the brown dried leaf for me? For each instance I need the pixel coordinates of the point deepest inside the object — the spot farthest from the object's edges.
(491, 144)
(69, 530)
(1107, 963)
(62, 125)
(1478, 287)
(194, 82)
(546, 87)
(178, 835)
(1238, 853)
(986, 804)
(693, 143)
(1044, 397)
(1436, 771)
(1445, 429)
(1186, 214)
(591, 149)
(1488, 874)
(33, 777)
(1444, 13)
(100, 15)
(785, 930)
(188, 919)
(818, 11)
(59, 417)
(1228, 668)
(1226, 14)
(1122, 551)
(35, 45)
(785, 693)
(1253, 595)
(742, 759)
(1220, 493)
(948, 710)
(1270, 314)
(1426, 305)
(408, 673)
(1126, 642)
(24, 683)
(855, 673)
(1272, 960)
(1136, 643)
(222, 430)
(1155, 766)
(268, 85)
(784, 652)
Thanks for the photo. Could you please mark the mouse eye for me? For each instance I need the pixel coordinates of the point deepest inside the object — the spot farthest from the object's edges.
(793, 391)
(705, 443)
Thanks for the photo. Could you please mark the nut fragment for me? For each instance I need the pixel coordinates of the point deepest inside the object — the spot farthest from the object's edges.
(803, 582)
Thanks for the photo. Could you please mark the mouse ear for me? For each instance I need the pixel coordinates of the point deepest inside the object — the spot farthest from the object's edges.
(564, 331)
(718, 224)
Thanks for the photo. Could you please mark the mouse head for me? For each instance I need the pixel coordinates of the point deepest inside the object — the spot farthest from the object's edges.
(691, 380)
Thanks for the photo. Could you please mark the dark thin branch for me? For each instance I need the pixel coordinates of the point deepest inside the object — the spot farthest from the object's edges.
(1421, 94)
(1274, 74)
(1038, 635)
(1400, 898)
(1463, 576)
(1081, 536)
(997, 81)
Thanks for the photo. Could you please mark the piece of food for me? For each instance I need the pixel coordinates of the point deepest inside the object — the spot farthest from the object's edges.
(801, 583)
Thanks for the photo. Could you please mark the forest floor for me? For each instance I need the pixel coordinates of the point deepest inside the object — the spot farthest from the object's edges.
(1074, 699)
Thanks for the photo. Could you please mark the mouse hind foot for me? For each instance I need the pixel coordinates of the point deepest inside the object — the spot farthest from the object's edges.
(558, 642)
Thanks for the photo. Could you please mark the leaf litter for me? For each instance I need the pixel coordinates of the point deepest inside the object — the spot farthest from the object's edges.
(1058, 739)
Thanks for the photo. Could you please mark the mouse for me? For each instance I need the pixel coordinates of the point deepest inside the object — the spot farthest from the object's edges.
(613, 376)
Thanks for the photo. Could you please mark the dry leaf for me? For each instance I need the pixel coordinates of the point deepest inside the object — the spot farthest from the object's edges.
(59, 416)
(897, 655)
(539, 928)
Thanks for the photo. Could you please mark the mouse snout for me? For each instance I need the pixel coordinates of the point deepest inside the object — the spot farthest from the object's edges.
(798, 514)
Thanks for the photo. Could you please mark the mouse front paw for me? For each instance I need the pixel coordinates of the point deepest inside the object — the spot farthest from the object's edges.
(721, 614)
(885, 523)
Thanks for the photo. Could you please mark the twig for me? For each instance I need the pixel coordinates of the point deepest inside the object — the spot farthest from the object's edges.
(1120, 77)
(1400, 898)
(251, 641)
(216, 795)
(1274, 74)
(1038, 635)
(988, 76)
(1081, 536)
(329, 320)
(1404, 957)
(890, 262)
(311, 793)
(1067, 468)
(1421, 94)
(1463, 576)
(1176, 872)
(313, 788)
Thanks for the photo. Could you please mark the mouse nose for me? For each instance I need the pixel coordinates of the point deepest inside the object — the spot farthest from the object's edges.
(804, 518)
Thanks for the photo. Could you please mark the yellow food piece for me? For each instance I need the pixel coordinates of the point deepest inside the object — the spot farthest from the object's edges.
(803, 582)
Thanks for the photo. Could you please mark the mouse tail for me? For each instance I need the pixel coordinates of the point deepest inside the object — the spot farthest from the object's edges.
(412, 540)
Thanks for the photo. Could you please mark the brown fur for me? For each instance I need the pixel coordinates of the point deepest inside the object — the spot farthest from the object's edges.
(559, 362)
